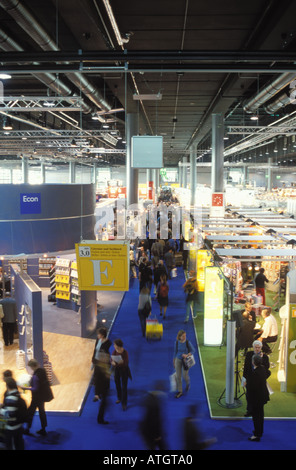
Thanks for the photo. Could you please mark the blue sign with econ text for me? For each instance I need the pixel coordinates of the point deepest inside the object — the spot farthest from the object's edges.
(30, 203)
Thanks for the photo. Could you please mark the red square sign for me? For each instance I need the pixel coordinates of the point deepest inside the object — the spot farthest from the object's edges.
(217, 200)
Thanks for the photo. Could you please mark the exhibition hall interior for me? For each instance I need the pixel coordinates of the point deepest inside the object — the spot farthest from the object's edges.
(137, 137)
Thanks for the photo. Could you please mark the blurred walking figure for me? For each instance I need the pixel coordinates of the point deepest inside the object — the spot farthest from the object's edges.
(103, 384)
(120, 362)
(152, 425)
(193, 439)
(163, 295)
(102, 345)
(144, 308)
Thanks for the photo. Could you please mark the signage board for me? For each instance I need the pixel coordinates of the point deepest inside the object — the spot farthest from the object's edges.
(30, 203)
(103, 265)
(213, 306)
(204, 259)
(217, 208)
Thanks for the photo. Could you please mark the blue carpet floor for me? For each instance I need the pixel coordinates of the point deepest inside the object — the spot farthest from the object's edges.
(150, 362)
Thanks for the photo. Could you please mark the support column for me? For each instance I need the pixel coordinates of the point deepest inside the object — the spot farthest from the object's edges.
(245, 175)
(149, 184)
(180, 174)
(131, 173)
(94, 175)
(184, 167)
(72, 172)
(192, 174)
(42, 169)
(155, 173)
(25, 169)
(269, 174)
(217, 177)
(217, 153)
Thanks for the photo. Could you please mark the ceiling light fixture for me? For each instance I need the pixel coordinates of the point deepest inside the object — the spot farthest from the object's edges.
(109, 10)
(7, 125)
(147, 97)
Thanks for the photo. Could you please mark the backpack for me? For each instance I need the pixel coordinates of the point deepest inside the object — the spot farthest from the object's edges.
(163, 290)
(22, 411)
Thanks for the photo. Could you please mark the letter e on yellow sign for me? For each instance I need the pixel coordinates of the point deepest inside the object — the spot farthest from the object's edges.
(103, 265)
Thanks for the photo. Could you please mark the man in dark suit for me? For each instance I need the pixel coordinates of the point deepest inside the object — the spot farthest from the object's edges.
(258, 397)
(248, 369)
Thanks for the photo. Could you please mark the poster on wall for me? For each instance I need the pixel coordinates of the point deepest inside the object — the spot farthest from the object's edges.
(213, 311)
(204, 259)
(103, 265)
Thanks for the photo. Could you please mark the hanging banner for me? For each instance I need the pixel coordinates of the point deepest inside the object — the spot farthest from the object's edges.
(103, 265)
(204, 259)
(213, 311)
(291, 363)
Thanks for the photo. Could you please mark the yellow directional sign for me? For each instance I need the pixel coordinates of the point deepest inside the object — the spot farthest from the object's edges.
(103, 265)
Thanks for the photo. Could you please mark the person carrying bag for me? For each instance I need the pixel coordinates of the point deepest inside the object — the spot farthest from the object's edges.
(144, 308)
(183, 352)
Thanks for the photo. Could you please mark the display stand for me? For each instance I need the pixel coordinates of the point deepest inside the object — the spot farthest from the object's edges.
(28, 298)
(287, 347)
(52, 284)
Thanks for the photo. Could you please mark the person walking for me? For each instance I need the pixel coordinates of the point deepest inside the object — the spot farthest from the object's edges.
(120, 362)
(260, 281)
(144, 308)
(10, 410)
(258, 397)
(163, 295)
(159, 271)
(41, 393)
(169, 260)
(191, 290)
(103, 374)
(183, 348)
(102, 345)
(152, 425)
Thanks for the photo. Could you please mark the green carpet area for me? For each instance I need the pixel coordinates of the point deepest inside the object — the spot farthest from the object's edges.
(213, 362)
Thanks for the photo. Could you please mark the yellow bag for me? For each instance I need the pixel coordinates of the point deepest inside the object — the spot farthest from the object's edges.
(154, 329)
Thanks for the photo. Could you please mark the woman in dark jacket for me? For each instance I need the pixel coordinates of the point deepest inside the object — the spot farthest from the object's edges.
(258, 397)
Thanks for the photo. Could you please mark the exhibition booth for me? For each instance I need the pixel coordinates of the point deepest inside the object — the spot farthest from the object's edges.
(236, 248)
(56, 320)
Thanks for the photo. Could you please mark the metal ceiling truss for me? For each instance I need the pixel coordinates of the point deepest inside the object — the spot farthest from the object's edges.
(274, 130)
(40, 103)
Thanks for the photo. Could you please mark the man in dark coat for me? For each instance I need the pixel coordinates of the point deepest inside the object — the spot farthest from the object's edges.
(258, 397)
(41, 393)
(248, 368)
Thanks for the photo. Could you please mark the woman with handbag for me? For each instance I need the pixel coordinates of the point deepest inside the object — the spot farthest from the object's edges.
(183, 351)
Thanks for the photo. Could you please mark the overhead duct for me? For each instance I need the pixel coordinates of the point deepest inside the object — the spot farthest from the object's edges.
(280, 102)
(268, 92)
(30, 25)
(8, 44)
